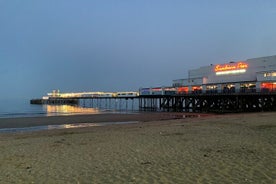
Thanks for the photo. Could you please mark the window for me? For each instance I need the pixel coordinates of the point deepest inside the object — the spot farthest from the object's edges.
(270, 74)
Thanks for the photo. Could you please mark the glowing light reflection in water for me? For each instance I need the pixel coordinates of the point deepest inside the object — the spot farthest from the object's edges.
(53, 110)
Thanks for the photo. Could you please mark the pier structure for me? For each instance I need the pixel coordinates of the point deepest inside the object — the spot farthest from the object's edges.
(110, 103)
(102, 100)
(190, 102)
(218, 103)
(241, 86)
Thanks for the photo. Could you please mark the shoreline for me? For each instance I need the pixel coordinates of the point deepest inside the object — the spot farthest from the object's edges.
(24, 122)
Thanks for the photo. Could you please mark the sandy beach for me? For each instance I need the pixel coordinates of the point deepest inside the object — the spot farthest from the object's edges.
(160, 148)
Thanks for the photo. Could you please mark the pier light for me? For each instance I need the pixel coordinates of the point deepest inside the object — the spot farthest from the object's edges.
(184, 89)
(196, 88)
(269, 86)
(232, 68)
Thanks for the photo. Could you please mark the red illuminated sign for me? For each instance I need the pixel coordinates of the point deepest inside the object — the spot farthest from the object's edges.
(229, 67)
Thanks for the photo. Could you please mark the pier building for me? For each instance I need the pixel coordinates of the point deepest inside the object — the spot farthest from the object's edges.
(252, 75)
(236, 86)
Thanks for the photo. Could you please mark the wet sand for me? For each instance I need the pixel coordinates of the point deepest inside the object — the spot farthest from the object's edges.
(234, 148)
(92, 118)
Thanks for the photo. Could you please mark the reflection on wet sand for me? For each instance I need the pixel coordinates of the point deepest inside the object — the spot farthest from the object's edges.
(63, 126)
(53, 110)
(82, 125)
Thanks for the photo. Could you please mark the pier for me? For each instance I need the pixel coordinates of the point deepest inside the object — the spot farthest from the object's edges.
(218, 102)
(102, 100)
(242, 86)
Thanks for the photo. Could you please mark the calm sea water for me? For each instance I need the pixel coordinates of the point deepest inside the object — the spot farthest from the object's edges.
(22, 108)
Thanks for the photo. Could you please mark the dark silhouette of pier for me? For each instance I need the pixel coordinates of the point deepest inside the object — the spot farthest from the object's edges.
(217, 102)
(220, 103)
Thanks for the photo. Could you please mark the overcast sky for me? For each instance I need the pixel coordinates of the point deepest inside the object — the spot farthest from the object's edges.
(117, 45)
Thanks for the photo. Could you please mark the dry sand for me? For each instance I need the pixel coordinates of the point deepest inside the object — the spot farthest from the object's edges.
(236, 148)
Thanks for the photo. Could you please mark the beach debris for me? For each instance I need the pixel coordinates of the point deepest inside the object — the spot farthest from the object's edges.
(29, 169)
(183, 116)
(146, 163)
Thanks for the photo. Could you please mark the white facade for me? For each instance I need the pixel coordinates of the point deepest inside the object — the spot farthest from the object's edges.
(253, 74)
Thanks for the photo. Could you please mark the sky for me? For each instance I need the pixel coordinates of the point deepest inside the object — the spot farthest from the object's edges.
(122, 45)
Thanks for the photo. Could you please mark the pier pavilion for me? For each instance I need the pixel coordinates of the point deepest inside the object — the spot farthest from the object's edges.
(239, 86)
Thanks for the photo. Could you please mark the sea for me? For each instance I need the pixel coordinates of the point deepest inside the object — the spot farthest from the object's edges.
(16, 108)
